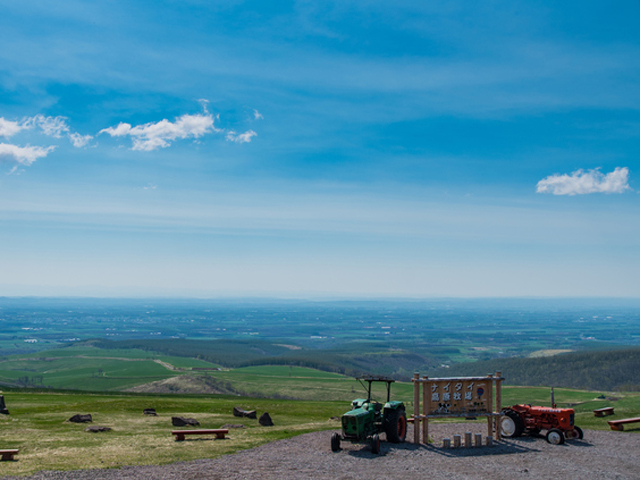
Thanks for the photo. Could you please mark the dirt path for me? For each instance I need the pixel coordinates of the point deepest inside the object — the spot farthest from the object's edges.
(601, 455)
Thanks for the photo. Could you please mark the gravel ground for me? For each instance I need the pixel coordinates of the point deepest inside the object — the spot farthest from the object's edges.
(606, 455)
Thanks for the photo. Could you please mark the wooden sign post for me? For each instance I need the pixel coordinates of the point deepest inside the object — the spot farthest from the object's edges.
(461, 397)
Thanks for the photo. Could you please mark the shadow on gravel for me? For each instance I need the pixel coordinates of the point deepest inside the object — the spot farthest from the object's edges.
(502, 448)
(497, 449)
(578, 443)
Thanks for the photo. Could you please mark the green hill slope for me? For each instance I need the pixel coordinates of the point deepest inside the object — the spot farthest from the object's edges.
(596, 370)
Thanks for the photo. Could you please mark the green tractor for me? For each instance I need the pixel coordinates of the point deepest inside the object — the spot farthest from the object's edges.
(367, 419)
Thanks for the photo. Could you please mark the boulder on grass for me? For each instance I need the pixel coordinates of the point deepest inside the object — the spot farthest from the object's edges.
(80, 418)
(96, 429)
(183, 422)
(232, 425)
(3, 407)
(265, 420)
(239, 412)
(150, 411)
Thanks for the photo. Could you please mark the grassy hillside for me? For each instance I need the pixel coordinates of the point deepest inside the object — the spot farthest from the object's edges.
(88, 368)
(103, 365)
(37, 427)
(351, 358)
(46, 441)
(595, 370)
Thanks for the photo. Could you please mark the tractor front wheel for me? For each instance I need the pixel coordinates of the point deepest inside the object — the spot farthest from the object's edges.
(335, 442)
(512, 425)
(555, 437)
(395, 426)
(375, 444)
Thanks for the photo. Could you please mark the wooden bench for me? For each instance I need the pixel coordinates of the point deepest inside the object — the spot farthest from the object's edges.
(180, 434)
(8, 454)
(619, 424)
(601, 412)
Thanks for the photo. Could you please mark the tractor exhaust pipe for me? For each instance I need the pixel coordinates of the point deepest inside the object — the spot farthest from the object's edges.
(553, 399)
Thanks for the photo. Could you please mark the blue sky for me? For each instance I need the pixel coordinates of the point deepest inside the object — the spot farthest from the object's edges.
(319, 149)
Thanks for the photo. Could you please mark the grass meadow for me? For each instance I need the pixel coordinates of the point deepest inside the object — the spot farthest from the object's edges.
(38, 427)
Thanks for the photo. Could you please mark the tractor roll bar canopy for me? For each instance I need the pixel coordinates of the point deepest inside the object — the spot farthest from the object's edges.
(376, 378)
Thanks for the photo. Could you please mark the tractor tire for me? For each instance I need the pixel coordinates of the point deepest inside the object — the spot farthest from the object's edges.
(555, 437)
(375, 444)
(335, 442)
(511, 425)
(395, 426)
(577, 433)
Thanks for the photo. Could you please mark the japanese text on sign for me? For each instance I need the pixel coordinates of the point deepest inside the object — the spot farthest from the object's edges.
(461, 397)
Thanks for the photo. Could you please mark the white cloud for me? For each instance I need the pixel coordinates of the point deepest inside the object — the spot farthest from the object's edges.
(78, 140)
(242, 137)
(582, 182)
(257, 115)
(152, 136)
(9, 128)
(23, 155)
(50, 126)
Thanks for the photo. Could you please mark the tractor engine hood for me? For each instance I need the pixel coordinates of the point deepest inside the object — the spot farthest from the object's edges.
(354, 422)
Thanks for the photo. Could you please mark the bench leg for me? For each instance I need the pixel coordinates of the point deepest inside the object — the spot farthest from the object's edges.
(7, 456)
(179, 437)
(219, 435)
(618, 428)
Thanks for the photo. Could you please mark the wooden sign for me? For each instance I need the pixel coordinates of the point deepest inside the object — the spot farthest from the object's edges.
(456, 397)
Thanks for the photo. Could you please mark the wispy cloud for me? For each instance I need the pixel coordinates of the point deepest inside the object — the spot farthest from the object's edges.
(55, 127)
(50, 126)
(257, 115)
(23, 155)
(241, 137)
(152, 136)
(583, 182)
(9, 128)
(78, 140)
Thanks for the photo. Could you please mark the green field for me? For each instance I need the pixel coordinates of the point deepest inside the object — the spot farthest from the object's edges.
(46, 441)
(89, 368)
(37, 427)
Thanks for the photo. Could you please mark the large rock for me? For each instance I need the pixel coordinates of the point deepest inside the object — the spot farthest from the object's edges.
(3, 407)
(150, 411)
(265, 420)
(183, 422)
(80, 418)
(232, 425)
(238, 412)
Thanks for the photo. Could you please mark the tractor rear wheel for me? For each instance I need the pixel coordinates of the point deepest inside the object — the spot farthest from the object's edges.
(375, 444)
(577, 433)
(555, 437)
(512, 425)
(395, 426)
(335, 442)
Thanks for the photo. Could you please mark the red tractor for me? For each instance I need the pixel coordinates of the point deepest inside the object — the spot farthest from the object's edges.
(558, 422)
